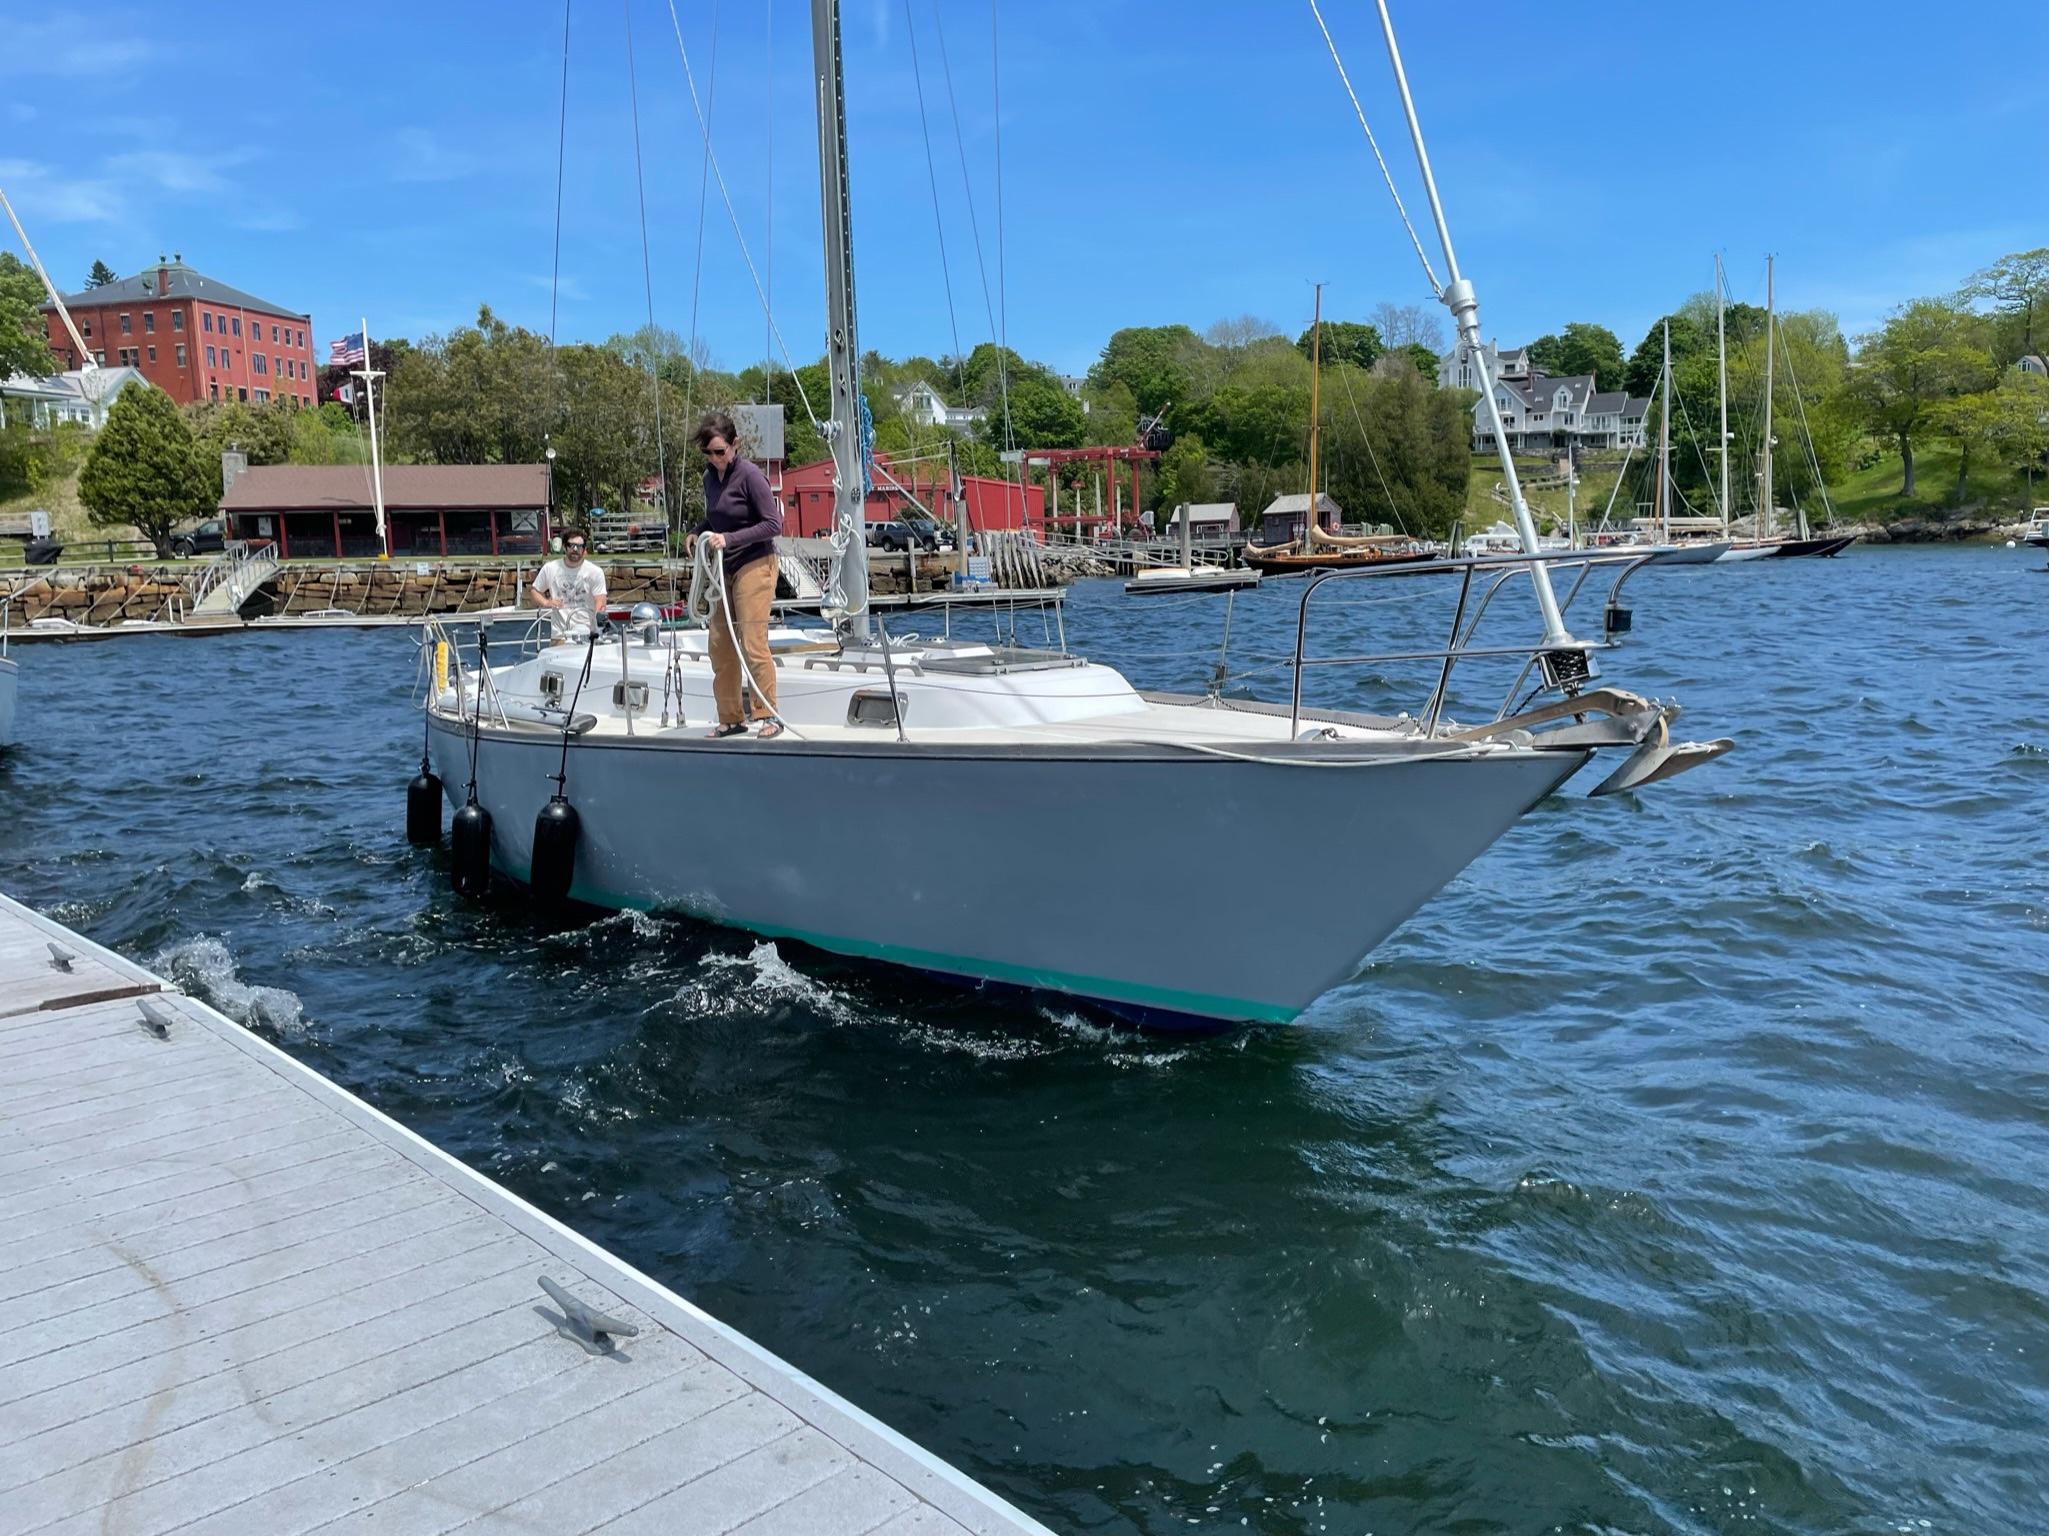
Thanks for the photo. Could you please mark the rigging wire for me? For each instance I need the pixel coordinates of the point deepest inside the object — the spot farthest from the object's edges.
(1807, 436)
(938, 220)
(654, 378)
(1372, 457)
(967, 188)
(555, 276)
(711, 103)
(1436, 288)
(726, 196)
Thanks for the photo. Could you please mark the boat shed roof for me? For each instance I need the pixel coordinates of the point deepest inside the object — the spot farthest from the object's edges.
(346, 487)
(1298, 501)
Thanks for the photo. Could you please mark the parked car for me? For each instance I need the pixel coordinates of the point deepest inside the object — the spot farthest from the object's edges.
(903, 535)
(207, 538)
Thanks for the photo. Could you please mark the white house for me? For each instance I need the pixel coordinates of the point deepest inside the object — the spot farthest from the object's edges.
(921, 402)
(1540, 414)
(1455, 368)
(81, 395)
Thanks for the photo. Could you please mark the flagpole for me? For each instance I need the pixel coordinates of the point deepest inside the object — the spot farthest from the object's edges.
(369, 375)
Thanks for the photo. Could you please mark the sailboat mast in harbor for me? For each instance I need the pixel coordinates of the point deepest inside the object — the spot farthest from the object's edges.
(1665, 447)
(1764, 487)
(1315, 418)
(842, 353)
(1722, 384)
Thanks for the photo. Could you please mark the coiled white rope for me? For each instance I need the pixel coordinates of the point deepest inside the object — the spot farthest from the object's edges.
(698, 606)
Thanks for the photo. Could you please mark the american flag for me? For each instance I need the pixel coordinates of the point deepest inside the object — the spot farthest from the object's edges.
(348, 350)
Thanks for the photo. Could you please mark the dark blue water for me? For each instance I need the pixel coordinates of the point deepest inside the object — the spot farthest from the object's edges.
(1679, 1169)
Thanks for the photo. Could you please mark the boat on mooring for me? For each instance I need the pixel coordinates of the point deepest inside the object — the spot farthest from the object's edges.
(1037, 858)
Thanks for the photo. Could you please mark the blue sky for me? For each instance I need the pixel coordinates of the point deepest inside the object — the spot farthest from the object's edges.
(1179, 162)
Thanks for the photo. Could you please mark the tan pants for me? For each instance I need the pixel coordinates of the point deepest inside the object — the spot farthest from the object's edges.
(751, 591)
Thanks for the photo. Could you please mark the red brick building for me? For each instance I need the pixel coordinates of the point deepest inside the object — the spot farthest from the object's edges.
(992, 505)
(192, 336)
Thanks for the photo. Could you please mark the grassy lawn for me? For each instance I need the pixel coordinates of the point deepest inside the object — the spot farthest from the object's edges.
(1873, 495)
(1596, 482)
(67, 512)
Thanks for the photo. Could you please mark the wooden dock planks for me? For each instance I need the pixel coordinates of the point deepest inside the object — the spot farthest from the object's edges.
(235, 1298)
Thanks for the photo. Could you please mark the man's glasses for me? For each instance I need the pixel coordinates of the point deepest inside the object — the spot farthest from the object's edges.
(574, 549)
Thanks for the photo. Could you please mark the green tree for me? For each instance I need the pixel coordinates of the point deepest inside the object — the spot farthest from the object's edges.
(24, 339)
(1159, 364)
(2008, 424)
(1640, 373)
(2017, 287)
(1422, 358)
(101, 275)
(263, 432)
(1347, 341)
(1930, 351)
(1185, 474)
(1583, 347)
(143, 470)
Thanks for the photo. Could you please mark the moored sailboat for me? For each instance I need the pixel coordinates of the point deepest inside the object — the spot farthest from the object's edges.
(1035, 774)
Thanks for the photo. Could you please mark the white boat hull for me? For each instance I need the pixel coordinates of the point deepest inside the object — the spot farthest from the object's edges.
(1704, 552)
(1104, 872)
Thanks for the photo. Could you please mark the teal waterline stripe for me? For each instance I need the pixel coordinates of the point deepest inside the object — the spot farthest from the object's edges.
(1205, 1004)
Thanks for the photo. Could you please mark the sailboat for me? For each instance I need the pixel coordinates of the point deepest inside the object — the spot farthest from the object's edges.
(1689, 548)
(992, 813)
(1765, 544)
(1317, 548)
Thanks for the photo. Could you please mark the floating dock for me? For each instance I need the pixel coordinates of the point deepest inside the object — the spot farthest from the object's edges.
(236, 1298)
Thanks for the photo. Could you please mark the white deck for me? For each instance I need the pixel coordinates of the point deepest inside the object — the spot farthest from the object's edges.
(235, 1298)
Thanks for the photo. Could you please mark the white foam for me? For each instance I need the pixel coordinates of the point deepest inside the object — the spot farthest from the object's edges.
(774, 980)
(204, 966)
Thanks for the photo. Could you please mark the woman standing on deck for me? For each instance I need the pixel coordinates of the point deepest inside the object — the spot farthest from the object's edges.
(741, 521)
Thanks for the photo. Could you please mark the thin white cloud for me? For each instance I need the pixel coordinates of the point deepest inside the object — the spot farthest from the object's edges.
(420, 156)
(175, 171)
(275, 221)
(62, 48)
(45, 197)
(569, 288)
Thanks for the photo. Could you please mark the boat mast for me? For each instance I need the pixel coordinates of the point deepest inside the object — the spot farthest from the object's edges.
(1315, 378)
(1764, 499)
(1722, 386)
(1464, 304)
(842, 352)
(1665, 448)
(86, 361)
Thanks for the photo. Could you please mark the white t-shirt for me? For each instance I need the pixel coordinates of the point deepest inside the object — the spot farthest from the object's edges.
(581, 589)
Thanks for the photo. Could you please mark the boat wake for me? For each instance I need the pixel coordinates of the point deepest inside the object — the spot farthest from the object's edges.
(204, 967)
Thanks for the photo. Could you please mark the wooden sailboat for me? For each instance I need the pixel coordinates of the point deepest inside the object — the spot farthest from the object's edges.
(1767, 545)
(1318, 549)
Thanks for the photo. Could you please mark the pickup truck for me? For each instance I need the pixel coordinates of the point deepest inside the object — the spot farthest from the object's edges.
(903, 535)
(207, 538)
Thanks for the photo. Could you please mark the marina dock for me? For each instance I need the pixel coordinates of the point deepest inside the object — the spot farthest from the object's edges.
(234, 1297)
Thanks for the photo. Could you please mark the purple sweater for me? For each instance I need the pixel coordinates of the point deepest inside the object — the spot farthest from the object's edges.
(741, 506)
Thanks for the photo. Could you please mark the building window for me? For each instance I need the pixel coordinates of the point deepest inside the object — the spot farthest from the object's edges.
(100, 358)
(242, 394)
(236, 324)
(85, 326)
(149, 322)
(209, 358)
(127, 327)
(273, 334)
(181, 354)
(152, 352)
(262, 395)
(177, 319)
(213, 388)
(256, 362)
(206, 320)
